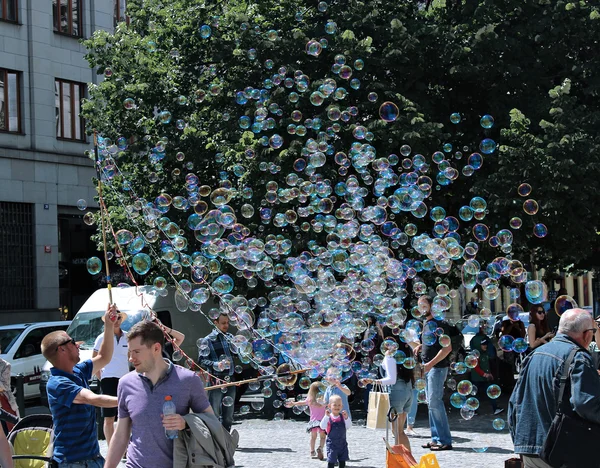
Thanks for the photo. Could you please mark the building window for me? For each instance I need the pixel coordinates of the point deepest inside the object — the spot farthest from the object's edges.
(68, 96)
(17, 256)
(9, 10)
(67, 17)
(120, 14)
(10, 115)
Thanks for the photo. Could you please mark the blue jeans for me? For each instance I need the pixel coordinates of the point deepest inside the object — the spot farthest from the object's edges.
(438, 419)
(224, 413)
(97, 462)
(412, 413)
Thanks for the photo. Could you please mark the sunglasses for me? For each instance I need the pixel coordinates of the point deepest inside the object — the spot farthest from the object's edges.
(71, 340)
(541, 311)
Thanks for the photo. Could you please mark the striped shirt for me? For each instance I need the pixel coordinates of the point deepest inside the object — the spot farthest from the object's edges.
(75, 437)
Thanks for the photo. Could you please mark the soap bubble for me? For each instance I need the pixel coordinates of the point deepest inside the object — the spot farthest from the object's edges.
(493, 391)
(506, 343)
(487, 121)
(141, 263)
(498, 424)
(464, 387)
(81, 204)
(540, 230)
(457, 400)
(466, 413)
(472, 403)
(487, 146)
(205, 31)
(388, 111)
(94, 265)
(88, 219)
(524, 190)
(520, 345)
(564, 303)
(536, 291)
(530, 207)
(455, 118)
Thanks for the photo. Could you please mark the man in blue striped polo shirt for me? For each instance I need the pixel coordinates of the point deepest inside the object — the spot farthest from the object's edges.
(70, 398)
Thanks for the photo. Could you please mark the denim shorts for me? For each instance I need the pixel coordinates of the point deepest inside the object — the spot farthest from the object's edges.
(401, 396)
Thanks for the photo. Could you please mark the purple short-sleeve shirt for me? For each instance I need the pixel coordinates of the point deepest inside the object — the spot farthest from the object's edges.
(142, 403)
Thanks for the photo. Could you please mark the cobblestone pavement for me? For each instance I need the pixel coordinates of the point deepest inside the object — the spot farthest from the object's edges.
(284, 444)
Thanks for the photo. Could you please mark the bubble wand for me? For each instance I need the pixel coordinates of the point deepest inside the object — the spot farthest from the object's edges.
(102, 213)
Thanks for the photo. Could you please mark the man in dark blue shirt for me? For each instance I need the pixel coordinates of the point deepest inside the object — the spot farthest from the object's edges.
(435, 355)
(70, 398)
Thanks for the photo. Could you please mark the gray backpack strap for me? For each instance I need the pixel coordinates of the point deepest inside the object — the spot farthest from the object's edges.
(565, 377)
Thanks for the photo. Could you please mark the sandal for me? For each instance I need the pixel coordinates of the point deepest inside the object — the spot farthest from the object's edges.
(313, 454)
(439, 448)
(428, 445)
(320, 454)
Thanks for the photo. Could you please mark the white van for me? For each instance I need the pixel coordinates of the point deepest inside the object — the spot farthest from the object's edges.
(136, 302)
(21, 347)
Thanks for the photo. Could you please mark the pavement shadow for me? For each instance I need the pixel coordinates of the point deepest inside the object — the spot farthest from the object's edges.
(263, 450)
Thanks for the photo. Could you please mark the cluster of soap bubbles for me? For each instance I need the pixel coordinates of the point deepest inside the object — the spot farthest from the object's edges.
(372, 231)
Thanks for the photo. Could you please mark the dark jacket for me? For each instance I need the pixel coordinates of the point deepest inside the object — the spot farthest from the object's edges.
(206, 443)
(533, 404)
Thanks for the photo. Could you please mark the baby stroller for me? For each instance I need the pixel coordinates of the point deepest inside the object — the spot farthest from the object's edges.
(31, 442)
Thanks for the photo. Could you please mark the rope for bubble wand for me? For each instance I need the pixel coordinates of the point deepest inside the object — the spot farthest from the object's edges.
(102, 215)
(258, 379)
(272, 343)
(191, 363)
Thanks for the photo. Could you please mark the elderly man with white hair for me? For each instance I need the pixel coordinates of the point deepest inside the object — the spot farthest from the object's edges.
(534, 402)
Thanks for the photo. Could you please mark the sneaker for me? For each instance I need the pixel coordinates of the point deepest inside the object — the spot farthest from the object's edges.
(313, 454)
(498, 411)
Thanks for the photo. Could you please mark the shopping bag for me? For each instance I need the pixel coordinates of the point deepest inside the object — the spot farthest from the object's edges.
(379, 405)
(429, 461)
(399, 456)
(394, 460)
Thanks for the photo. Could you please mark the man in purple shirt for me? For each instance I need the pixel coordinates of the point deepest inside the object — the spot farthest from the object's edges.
(141, 395)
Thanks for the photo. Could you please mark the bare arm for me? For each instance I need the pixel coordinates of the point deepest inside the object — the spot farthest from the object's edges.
(118, 444)
(5, 378)
(533, 341)
(345, 390)
(108, 343)
(99, 373)
(87, 397)
(5, 452)
(177, 336)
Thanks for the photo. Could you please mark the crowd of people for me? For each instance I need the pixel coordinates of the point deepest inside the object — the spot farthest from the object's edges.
(137, 397)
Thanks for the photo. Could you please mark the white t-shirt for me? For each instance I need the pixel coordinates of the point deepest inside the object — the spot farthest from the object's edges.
(119, 364)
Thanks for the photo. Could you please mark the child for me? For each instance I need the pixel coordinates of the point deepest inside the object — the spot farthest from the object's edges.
(335, 423)
(481, 374)
(317, 411)
(336, 387)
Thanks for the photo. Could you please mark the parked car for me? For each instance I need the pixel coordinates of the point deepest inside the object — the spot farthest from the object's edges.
(21, 347)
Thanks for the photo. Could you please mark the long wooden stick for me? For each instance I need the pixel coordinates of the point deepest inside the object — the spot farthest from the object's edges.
(102, 213)
(256, 379)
